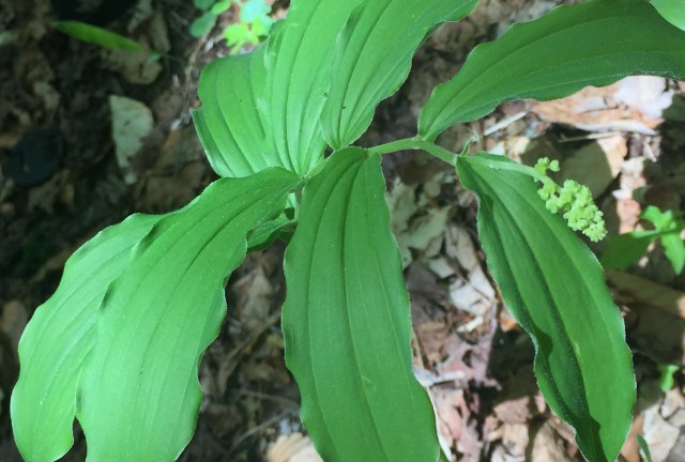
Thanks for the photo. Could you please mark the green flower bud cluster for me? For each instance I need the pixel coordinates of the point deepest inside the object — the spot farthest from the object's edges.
(573, 200)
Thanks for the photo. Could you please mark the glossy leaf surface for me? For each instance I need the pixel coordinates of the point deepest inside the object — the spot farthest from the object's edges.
(329, 59)
(595, 42)
(59, 337)
(137, 307)
(346, 322)
(373, 56)
(554, 287)
(672, 10)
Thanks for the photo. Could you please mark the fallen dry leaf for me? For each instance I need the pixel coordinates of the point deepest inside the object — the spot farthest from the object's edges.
(293, 448)
(131, 123)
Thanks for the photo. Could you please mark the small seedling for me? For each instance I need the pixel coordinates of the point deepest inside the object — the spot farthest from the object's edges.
(253, 25)
(107, 39)
(667, 376)
(627, 249)
(645, 448)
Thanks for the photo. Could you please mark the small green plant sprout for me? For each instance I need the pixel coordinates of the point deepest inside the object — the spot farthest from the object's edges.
(211, 10)
(254, 22)
(667, 375)
(573, 200)
(644, 447)
(627, 249)
(99, 36)
(106, 39)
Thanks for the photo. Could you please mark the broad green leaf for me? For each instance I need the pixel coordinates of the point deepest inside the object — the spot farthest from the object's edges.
(595, 42)
(672, 10)
(346, 321)
(135, 311)
(554, 287)
(59, 337)
(626, 249)
(228, 123)
(266, 109)
(263, 109)
(99, 36)
(373, 56)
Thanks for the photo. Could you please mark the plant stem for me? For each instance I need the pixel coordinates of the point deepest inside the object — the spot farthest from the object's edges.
(416, 145)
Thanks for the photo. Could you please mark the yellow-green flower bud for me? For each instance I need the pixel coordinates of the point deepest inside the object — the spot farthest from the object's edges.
(572, 200)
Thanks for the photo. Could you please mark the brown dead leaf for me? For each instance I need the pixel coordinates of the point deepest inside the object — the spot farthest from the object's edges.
(474, 294)
(137, 68)
(548, 446)
(431, 335)
(660, 435)
(13, 320)
(131, 122)
(612, 108)
(293, 448)
(255, 297)
(513, 442)
(649, 293)
(673, 408)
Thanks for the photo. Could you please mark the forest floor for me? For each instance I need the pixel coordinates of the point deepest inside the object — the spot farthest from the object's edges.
(59, 101)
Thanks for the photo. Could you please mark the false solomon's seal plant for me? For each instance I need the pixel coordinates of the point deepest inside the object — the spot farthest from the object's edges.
(117, 346)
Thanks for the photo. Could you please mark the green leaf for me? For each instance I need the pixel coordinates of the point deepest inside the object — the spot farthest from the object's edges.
(555, 288)
(668, 229)
(275, 97)
(253, 10)
(202, 25)
(674, 248)
(98, 36)
(595, 42)
(626, 249)
(261, 27)
(59, 337)
(346, 321)
(228, 123)
(672, 10)
(373, 56)
(263, 236)
(644, 447)
(236, 34)
(119, 342)
(203, 4)
(666, 376)
(278, 93)
(662, 221)
(221, 7)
